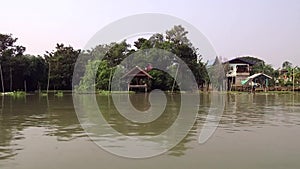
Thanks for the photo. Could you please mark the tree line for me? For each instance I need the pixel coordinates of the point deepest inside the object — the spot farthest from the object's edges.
(24, 72)
(54, 69)
(173, 41)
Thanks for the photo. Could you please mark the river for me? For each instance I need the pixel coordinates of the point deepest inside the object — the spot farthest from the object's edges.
(256, 131)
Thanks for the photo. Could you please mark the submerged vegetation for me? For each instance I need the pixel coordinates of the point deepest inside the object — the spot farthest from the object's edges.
(43, 94)
(16, 94)
(59, 94)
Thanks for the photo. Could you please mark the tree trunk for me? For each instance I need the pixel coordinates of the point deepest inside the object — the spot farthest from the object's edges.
(207, 87)
(109, 82)
(10, 79)
(48, 78)
(175, 78)
(25, 86)
(39, 87)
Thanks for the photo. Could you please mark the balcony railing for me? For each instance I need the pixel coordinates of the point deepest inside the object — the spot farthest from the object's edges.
(243, 73)
(233, 74)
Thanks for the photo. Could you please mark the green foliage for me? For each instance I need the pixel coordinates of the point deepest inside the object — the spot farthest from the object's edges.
(177, 35)
(288, 83)
(286, 64)
(116, 53)
(161, 80)
(261, 67)
(61, 63)
(297, 74)
(59, 94)
(104, 92)
(18, 69)
(175, 41)
(43, 94)
(103, 75)
(96, 76)
(8, 47)
(87, 82)
(28, 72)
(16, 94)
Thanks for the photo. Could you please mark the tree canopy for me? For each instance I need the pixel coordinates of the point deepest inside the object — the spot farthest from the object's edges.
(55, 69)
(174, 41)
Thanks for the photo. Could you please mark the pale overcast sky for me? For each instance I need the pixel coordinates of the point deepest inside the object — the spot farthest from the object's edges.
(268, 29)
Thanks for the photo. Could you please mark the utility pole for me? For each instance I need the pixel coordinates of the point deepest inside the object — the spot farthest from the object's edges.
(1, 74)
(293, 79)
(175, 79)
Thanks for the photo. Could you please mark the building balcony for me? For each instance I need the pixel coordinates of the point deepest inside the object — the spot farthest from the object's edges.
(243, 74)
(234, 74)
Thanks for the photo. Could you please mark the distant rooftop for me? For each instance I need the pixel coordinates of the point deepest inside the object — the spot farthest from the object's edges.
(242, 60)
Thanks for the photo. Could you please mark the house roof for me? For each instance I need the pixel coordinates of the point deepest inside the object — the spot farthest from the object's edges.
(255, 76)
(259, 74)
(136, 71)
(241, 60)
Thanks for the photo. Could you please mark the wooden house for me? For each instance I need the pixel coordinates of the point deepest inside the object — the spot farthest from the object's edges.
(237, 70)
(136, 79)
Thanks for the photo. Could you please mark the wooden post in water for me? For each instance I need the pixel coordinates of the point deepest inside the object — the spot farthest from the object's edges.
(3, 91)
(25, 86)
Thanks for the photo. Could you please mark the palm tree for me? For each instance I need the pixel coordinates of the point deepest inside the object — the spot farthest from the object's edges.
(286, 64)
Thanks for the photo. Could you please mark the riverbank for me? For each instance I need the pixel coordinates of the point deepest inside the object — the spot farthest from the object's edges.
(61, 93)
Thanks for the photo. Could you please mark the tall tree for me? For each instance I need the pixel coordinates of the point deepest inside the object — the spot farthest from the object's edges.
(178, 35)
(176, 42)
(116, 53)
(62, 62)
(286, 64)
(8, 50)
(8, 47)
(140, 42)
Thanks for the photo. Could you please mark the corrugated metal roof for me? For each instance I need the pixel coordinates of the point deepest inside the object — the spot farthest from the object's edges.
(241, 60)
(255, 76)
(259, 74)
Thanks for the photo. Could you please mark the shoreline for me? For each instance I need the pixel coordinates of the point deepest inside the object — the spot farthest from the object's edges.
(60, 93)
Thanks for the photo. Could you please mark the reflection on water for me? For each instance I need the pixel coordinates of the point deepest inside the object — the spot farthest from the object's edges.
(26, 123)
(140, 102)
(260, 110)
(55, 115)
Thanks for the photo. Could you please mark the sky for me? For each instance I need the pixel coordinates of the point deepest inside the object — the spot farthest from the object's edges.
(268, 29)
